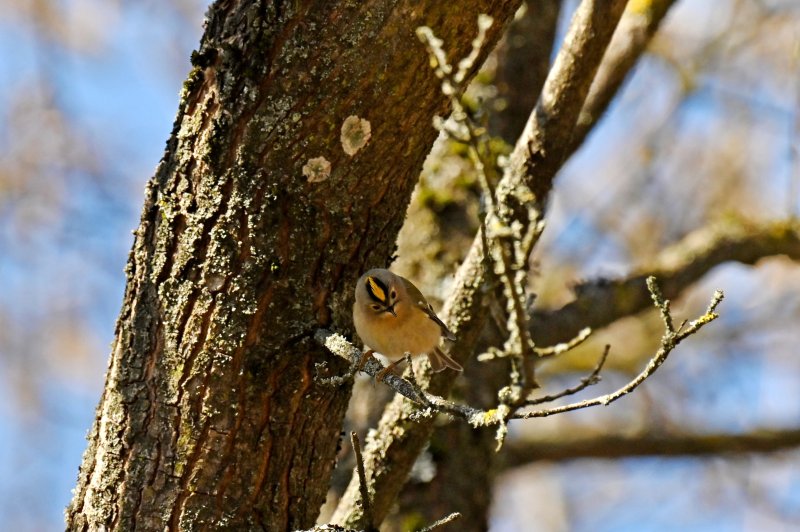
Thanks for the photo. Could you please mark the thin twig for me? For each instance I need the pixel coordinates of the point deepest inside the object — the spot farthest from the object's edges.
(362, 480)
(563, 347)
(443, 521)
(558, 349)
(589, 380)
(661, 303)
(505, 247)
(669, 341)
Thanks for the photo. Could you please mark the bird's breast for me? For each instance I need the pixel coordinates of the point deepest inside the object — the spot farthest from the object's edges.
(393, 337)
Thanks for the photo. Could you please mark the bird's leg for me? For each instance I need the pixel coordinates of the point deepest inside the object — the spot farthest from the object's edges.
(363, 360)
(413, 377)
(388, 369)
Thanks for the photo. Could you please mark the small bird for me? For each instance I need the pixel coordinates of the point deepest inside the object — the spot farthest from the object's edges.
(393, 318)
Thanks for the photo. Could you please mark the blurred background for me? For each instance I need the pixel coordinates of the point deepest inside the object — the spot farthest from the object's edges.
(705, 131)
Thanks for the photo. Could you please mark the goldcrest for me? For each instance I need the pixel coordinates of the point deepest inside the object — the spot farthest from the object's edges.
(393, 318)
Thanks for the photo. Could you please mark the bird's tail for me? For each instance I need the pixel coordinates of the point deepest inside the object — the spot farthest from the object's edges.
(439, 361)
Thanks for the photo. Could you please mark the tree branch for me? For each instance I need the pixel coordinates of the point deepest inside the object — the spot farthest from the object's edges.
(362, 481)
(527, 58)
(523, 60)
(521, 452)
(602, 302)
(637, 27)
(589, 380)
(669, 341)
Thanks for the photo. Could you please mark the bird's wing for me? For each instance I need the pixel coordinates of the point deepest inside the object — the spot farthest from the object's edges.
(427, 309)
(423, 304)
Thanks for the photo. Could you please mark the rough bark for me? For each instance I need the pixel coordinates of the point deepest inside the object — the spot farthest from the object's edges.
(211, 415)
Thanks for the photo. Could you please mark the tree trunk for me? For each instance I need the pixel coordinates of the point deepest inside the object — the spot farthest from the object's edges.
(249, 241)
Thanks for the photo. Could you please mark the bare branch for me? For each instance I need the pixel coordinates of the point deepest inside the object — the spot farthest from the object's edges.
(441, 522)
(660, 303)
(544, 143)
(589, 380)
(563, 347)
(522, 452)
(362, 481)
(669, 341)
(602, 302)
(636, 29)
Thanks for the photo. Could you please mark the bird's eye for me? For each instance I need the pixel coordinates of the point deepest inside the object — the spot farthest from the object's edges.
(376, 307)
(393, 294)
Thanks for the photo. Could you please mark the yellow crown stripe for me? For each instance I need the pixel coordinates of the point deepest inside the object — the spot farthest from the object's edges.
(375, 289)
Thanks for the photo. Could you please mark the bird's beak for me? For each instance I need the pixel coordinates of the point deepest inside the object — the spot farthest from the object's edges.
(391, 309)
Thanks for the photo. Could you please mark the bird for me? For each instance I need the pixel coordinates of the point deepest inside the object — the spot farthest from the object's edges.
(392, 317)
